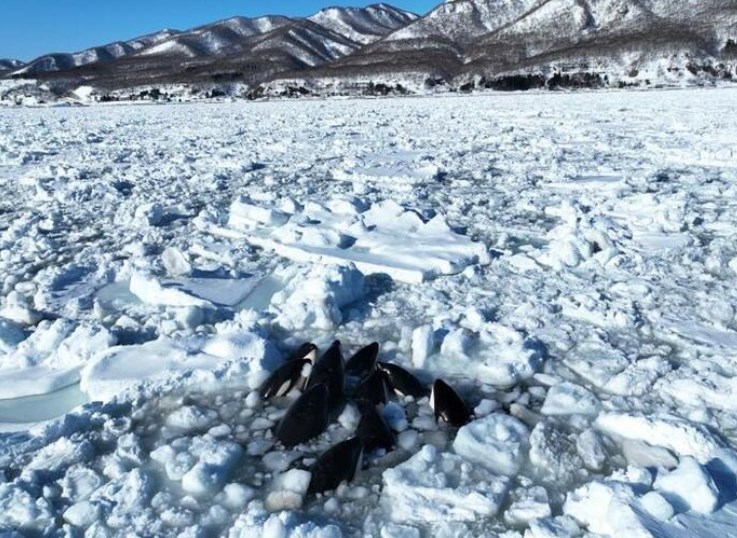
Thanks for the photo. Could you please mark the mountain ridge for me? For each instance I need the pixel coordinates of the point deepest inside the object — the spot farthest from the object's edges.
(460, 44)
(9, 64)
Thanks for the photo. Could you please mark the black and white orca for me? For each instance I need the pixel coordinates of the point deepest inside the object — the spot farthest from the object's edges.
(306, 418)
(448, 405)
(329, 369)
(402, 382)
(373, 430)
(308, 350)
(289, 376)
(337, 465)
(363, 362)
(374, 389)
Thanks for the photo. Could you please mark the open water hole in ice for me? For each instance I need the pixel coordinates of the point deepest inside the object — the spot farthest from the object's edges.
(43, 407)
(260, 297)
(117, 295)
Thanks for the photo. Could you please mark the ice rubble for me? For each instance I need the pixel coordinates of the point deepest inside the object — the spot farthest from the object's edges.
(683, 437)
(50, 358)
(496, 442)
(120, 368)
(435, 487)
(384, 238)
(494, 354)
(597, 350)
(313, 299)
(149, 290)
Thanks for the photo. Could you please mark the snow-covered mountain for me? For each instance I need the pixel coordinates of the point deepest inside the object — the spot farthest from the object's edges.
(214, 39)
(303, 42)
(460, 43)
(462, 21)
(610, 36)
(231, 49)
(627, 40)
(104, 53)
(7, 64)
(365, 25)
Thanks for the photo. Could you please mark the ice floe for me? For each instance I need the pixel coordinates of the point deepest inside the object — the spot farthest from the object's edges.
(386, 238)
(123, 367)
(496, 442)
(433, 486)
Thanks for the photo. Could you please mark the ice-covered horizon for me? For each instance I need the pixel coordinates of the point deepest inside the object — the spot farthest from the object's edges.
(567, 262)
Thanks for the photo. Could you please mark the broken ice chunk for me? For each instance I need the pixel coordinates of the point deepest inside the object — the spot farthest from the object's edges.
(496, 442)
(288, 490)
(151, 291)
(689, 487)
(209, 475)
(435, 487)
(570, 399)
(681, 436)
(244, 214)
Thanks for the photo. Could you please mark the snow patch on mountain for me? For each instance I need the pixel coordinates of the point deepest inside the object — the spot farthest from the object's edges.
(363, 25)
(9, 64)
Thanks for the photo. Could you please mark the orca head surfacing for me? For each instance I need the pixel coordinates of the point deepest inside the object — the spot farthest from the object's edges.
(402, 382)
(374, 389)
(363, 362)
(329, 370)
(373, 430)
(308, 350)
(306, 418)
(339, 464)
(448, 405)
(284, 379)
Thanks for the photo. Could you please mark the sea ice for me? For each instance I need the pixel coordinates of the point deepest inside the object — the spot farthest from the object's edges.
(288, 490)
(497, 443)
(314, 298)
(496, 355)
(387, 238)
(567, 260)
(127, 366)
(433, 487)
(51, 357)
(258, 523)
(151, 291)
(607, 508)
(688, 487)
(681, 436)
(570, 399)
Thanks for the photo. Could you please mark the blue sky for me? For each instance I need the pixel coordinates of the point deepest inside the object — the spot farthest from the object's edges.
(30, 28)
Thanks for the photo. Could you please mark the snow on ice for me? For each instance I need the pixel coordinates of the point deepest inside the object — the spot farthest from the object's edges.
(567, 261)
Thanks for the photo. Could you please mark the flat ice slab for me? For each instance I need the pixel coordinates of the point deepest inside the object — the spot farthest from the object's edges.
(683, 437)
(386, 238)
(22, 413)
(50, 358)
(123, 367)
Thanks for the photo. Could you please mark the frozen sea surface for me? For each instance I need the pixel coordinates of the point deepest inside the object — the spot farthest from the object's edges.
(567, 261)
